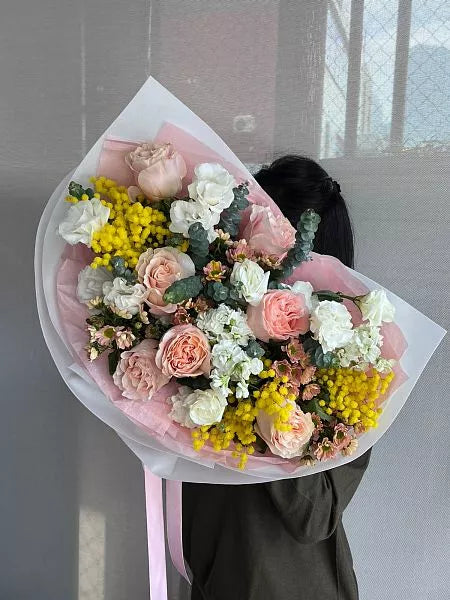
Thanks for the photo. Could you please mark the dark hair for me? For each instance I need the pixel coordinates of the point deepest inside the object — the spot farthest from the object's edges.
(296, 183)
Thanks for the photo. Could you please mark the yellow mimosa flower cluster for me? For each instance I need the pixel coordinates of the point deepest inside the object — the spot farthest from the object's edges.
(84, 197)
(237, 421)
(274, 397)
(353, 395)
(131, 229)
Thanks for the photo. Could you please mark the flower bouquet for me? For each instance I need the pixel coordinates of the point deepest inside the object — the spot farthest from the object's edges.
(192, 292)
(190, 315)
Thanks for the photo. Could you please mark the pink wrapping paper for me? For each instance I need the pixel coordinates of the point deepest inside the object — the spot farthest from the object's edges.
(324, 272)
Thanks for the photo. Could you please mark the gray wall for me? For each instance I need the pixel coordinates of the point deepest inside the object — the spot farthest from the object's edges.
(71, 504)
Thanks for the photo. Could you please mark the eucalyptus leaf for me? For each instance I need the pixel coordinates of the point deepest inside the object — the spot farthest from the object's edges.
(328, 295)
(313, 406)
(183, 289)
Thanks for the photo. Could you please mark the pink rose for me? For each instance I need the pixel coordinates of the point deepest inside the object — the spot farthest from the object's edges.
(286, 444)
(137, 374)
(184, 352)
(267, 234)
(157, 270)
(158, 168)
(281, 314)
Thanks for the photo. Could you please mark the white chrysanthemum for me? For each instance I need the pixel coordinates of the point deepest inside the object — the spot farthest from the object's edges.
(90, 283)
(225, 323)
(124, 297)
(83, 219)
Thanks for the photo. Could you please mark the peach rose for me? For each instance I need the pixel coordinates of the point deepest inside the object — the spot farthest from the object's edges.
(268, 234)
(158, 169)
(157, 270)
(281, 314)
(286, 444)
(137, 374)
(184, 352)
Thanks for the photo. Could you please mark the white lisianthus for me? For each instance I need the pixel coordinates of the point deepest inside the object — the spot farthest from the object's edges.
(206, 407)
(225, 323)
(376, 308)
(90, 283)
(331, 324)
(180, 408)
(124, 297)
(82, 220)
(212, 187)
(231, 364)
(250, 281)
(194, 408)
(364, 347)
(183, 214)
(305, 288)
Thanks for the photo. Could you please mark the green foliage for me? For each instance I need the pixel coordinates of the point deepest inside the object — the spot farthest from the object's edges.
(196, 383)
(198, 239)
(254, 350)
(176, 239)
(304, 242)
(217, 291)
(328, 295)
(231, 217)
(156, 328)
(121, 270)
(313, 407)
(199, 261)
(198, 245)
(113, 359)
(163, 206)
(183, 289)
(318, 357)
(76, 190)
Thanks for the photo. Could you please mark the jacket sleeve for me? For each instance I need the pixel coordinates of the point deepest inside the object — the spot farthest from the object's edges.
(310, 507)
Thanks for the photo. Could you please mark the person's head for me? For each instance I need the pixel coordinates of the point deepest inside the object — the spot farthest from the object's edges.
(296, 183)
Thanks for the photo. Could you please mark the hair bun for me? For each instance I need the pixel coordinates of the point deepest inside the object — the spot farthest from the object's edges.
(336, 186)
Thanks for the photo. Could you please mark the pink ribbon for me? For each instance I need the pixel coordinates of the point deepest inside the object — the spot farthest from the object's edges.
(155, 536)
(155, 532)
(174, 520)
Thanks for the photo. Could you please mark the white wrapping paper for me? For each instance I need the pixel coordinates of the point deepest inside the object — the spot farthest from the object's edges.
(152, 106)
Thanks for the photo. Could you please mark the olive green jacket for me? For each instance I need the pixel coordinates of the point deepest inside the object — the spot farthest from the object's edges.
(282, 540)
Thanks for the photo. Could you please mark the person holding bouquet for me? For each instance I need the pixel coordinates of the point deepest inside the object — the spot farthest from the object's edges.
(285, 539)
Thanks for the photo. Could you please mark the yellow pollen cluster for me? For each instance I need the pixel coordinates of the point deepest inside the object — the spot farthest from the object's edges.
(353, 395)
(132, 227)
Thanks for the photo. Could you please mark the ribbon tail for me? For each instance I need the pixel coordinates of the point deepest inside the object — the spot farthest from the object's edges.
(155, 536)
(174, 520)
